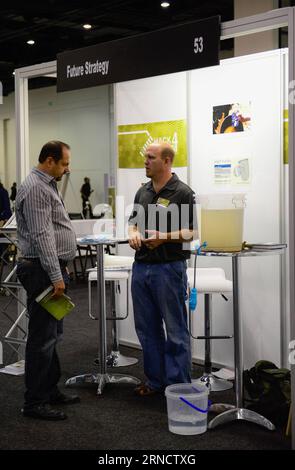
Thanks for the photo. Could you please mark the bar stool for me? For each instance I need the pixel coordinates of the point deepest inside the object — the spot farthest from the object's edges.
(209, 281)
(117, 268)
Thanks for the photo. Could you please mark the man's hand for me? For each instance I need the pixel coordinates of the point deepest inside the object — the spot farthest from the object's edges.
(59, 288)
(135, 239)
(155, 239)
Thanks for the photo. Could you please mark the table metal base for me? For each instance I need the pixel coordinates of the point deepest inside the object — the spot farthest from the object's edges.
(213, 383)
(116, 359)
(101, 380)
(243, 414)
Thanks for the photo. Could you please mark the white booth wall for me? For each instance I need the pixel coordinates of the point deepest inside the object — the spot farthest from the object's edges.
(257, 80)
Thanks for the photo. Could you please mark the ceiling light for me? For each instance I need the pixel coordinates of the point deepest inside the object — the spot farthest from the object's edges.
(165, 4)
(13, 73)
(31, 42)
(87, 26)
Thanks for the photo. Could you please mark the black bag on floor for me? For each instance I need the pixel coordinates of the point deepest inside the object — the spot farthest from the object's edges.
(268, 390)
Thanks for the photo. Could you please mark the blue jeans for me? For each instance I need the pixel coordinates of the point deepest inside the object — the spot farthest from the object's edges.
(42, 367)
(159, 292)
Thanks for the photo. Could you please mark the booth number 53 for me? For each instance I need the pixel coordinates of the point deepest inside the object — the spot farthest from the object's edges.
(198, 45)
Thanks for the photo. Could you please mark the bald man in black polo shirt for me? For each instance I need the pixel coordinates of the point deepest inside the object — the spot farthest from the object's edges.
(162, 224)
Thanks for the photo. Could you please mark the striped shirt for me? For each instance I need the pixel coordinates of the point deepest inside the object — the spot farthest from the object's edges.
(44, 229)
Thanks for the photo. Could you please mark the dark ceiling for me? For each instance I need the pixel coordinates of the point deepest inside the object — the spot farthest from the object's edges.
(56, 26)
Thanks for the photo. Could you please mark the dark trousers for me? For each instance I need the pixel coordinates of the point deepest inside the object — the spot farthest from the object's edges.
(42, 367)
(84, 208)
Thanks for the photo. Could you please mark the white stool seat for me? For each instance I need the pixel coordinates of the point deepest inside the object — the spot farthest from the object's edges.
(209, 280)
(115, 261)
(109, 275)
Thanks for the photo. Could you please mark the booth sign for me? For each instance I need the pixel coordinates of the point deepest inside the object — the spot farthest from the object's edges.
(175, 49)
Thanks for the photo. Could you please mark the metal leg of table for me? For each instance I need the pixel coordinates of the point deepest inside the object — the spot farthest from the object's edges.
(239, 412)
(103, 377)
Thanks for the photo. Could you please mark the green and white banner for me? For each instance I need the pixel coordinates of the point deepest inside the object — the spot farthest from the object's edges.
(133, 139)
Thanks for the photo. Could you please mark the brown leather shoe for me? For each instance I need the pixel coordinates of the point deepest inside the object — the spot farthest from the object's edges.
(44, 412)
(143, 390)
(63, 399)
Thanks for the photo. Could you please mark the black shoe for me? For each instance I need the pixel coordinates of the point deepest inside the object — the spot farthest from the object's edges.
(62, 399)
(44, 412)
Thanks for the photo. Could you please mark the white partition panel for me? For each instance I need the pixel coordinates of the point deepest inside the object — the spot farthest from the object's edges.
(256, 83)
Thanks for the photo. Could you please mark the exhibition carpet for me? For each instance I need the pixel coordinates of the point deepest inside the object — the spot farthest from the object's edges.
(117, 419)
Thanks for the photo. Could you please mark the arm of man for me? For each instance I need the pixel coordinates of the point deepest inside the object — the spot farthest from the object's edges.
(157, 238)
(187, 233)
(37, 212)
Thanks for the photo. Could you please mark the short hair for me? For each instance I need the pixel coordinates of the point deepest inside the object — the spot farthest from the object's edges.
(167, 151)
(53, 149)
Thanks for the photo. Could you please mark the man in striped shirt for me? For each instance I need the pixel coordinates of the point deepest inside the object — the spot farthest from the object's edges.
(47, 242)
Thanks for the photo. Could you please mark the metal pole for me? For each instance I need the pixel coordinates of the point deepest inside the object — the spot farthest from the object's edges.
(291, 39)
(115, 346)
(102, 308)
(238, 346)
(207, 331)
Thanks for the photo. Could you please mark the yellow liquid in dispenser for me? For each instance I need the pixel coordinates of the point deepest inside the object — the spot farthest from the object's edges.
(222, 229)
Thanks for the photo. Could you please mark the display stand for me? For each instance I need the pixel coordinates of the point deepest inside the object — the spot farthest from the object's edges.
(238, 412)
(16, 335)
(272, 20)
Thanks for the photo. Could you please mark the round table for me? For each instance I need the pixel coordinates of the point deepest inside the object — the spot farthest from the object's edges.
(237, 411)
(103, 377)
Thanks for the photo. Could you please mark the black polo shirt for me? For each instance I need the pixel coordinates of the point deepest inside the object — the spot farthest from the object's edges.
(171, 209)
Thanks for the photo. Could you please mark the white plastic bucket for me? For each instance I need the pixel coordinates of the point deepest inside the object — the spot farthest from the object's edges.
(187, 406)
(222, 221)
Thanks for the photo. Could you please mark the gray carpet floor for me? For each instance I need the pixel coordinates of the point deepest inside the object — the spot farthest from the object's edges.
(118, 419)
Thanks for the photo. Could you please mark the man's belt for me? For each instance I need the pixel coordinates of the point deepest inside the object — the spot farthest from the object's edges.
(63, 263)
